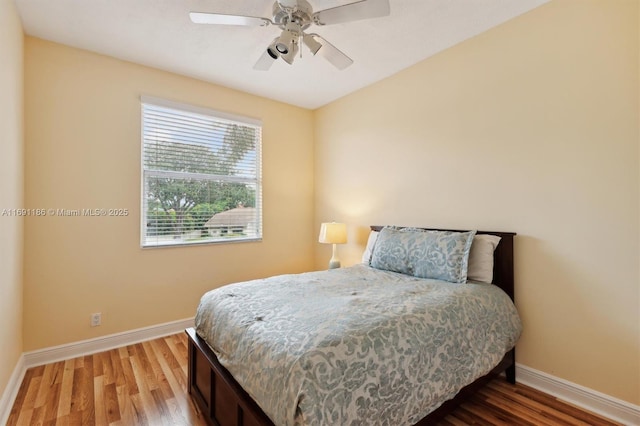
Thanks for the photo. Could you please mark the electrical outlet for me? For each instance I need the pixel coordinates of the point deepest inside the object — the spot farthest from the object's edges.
(96, 319)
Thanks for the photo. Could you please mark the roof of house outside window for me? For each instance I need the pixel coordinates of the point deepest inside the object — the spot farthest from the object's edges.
(240, 216)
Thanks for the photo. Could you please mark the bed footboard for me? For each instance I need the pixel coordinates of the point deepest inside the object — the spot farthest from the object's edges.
(220, 398)
(223, 402)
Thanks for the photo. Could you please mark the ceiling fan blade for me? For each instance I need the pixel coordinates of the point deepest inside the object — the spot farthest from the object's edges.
(364, 9)
(332, 53)
(222, 19)
(264, 62)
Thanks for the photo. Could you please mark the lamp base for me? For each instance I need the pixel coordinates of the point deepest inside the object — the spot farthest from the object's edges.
(334, 263)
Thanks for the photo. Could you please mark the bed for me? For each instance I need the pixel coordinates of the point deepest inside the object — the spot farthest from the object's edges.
(313, 360)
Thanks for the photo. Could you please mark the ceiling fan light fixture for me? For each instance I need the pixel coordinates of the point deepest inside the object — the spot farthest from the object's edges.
(286, 41)
(272, 49)
(311, 43)
(290, 56)
(273, 53)
(282, 48)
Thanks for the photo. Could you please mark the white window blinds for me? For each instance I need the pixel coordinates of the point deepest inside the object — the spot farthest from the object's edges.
(201, 176)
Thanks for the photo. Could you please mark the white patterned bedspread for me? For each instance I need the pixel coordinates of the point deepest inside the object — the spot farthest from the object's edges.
(357, 345)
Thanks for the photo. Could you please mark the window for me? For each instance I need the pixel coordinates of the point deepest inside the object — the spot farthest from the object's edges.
(201, 178)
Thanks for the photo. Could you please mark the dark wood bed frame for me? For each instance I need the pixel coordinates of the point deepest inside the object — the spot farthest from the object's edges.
(223, 402)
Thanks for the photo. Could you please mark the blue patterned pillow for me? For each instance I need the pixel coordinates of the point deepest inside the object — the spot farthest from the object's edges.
(439, 255)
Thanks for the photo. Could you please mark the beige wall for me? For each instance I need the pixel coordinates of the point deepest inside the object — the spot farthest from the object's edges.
(83, 151)
(11, 170)
(531, 127)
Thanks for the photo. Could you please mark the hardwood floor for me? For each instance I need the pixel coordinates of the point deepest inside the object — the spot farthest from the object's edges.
(146, 384)
(141, 384)
(501, 403)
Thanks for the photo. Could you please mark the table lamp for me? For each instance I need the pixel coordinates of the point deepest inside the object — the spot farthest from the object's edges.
(333, 233)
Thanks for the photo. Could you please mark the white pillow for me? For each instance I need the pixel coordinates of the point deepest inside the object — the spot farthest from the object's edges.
(366, 256)
(481, 258)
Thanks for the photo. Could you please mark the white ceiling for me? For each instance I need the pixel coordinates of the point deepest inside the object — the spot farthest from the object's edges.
(158, 33)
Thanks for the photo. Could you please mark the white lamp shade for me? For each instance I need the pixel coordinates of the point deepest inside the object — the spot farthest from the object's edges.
(333, 233)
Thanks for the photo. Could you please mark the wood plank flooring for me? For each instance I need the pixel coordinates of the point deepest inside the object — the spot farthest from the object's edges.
(146, 384)
(141, 384)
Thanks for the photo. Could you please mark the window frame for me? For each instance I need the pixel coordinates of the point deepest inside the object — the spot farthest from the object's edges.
(144, 173)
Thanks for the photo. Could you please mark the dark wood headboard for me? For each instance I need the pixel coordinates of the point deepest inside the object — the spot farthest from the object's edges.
(502, 257)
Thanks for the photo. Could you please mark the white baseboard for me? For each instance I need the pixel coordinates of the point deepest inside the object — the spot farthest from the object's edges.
(589, 399)
(104, 343)
(11, 391)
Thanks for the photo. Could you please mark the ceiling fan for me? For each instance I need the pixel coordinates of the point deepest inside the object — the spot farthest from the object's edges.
(294, 17)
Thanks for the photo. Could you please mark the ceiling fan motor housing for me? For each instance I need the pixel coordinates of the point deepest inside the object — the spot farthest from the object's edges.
(301, 15)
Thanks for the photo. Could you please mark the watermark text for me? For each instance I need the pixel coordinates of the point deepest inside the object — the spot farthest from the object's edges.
(58, 212)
